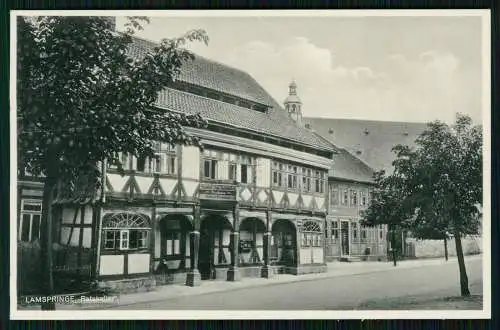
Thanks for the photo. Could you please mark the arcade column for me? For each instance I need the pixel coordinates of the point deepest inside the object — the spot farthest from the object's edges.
(193, 277)
(233, 274)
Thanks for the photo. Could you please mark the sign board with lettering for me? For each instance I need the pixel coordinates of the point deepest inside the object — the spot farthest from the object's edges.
(218, 191)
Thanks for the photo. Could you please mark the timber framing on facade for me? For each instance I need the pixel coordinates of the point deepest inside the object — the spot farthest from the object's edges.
(253, 203)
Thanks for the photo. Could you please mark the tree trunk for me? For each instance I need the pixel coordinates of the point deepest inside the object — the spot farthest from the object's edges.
(464, 281)
(46, 242)
(393, 245)
(446, 248)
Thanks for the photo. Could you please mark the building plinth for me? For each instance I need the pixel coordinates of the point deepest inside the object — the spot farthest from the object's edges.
(267, 272)
(193, 278)
(233, 274)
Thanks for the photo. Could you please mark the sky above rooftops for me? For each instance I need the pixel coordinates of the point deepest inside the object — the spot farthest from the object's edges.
(409, 69)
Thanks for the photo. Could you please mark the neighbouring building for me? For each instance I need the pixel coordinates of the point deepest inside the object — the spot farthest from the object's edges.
(253, 203)
(349, 185)
(371, 142)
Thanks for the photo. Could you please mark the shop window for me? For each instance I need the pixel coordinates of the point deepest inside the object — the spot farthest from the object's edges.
(354, 227)
(311, 234)
(363, 231)
(126, 231)
(210, 169)
(30, 221)
(173, 243)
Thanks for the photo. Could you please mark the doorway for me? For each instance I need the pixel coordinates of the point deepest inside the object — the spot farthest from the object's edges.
(344, 234)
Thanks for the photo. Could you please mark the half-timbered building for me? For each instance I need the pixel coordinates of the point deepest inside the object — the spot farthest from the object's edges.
(252, 203)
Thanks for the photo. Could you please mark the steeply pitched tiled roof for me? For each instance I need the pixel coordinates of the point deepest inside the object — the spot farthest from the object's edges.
(348, 167)
(370, 141)
(213, 75)
(275, 122)
(219, 77)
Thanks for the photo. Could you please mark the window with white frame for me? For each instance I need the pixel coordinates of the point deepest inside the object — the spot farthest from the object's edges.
(319, 181)
(345, 197)
(30, 220)
(164, 161)
(232, 171)
(306, 179)
(354, 197)
(335, 231)
(126, 231)
(362, 198)
(334, 195)
(292, 176)
(311, 234)
(278, 175)
(354, 228)
(210, 169)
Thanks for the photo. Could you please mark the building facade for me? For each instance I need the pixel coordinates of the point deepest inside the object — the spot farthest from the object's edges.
(349, 187)
(252, 203)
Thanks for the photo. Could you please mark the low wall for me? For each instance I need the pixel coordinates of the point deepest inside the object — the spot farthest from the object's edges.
(435, 248)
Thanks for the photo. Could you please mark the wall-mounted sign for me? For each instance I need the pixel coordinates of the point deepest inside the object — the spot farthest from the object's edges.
(218, 191)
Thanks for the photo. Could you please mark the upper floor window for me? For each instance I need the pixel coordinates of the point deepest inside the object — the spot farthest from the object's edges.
(345, 196)
(244, 173)
(30, 221)
(278, 175)
(320, 182)
(210, 169)
(334, 195)
(306, 179)
(232, 171)
(362, 198)
(292, 177)
(164, 161)
(354, 197)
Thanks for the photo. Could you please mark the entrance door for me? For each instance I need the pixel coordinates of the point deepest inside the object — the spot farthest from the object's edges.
(205, 255)
(344, 233)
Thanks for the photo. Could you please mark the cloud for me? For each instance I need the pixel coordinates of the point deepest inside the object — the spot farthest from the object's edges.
(402, 88)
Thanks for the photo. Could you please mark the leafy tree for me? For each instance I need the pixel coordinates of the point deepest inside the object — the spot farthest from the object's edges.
(443, 182)
(81, 99)
(388, 206)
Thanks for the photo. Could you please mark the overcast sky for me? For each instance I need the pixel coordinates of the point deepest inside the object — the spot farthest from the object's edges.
(376, 68)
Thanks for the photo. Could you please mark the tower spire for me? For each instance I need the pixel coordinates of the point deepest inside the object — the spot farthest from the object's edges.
(292, 103)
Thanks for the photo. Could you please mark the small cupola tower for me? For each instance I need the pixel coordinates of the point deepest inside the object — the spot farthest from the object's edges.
(293, 105)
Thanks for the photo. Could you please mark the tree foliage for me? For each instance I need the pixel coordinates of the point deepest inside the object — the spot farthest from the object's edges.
(436, 187)
(82, 98)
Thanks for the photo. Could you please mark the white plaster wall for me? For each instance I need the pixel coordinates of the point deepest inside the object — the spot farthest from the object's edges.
(305, 256)
(318, 255)
(263, 171)
(111, 265)
(435, 248)
(87, 238)
(138, 263)
(68, 214)
(87, 219)
(65, 232)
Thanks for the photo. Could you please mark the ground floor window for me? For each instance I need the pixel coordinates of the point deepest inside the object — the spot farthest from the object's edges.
(311, 234)
(125, 231)
(30, 220)
(335, 231)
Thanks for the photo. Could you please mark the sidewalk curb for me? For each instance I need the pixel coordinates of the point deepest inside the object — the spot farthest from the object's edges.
(322, 276)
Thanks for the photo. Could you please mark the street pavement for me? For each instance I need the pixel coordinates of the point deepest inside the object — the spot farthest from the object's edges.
(347, 288)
